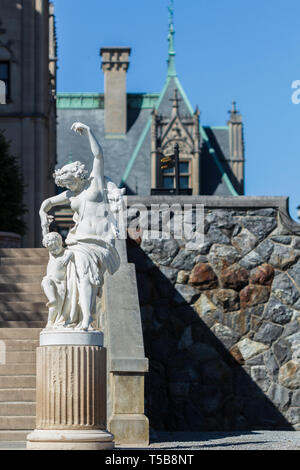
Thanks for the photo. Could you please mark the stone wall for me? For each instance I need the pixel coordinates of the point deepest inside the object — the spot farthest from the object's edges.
(221, 324)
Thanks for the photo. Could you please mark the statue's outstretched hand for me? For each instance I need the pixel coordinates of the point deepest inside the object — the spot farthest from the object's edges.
(80, 128)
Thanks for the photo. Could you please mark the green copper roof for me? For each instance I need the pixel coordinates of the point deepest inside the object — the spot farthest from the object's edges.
(96, 100)
(142, 100)
(80, 101)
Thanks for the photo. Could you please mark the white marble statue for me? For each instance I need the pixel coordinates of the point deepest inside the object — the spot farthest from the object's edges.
(90, 243)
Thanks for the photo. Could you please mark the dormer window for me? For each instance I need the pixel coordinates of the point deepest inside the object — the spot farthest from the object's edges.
(168, 176)
(170, 130)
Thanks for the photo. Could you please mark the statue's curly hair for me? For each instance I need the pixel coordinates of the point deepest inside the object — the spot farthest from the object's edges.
(51, 236)
(76, 170)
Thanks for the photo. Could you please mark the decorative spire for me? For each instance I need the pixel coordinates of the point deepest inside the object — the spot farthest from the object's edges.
(233, 108)
(234, 113)
(171, 51)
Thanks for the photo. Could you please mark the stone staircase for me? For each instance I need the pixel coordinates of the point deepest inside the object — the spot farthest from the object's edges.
(23, 314)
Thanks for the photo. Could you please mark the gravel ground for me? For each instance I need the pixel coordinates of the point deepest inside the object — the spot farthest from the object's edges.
(254, 440)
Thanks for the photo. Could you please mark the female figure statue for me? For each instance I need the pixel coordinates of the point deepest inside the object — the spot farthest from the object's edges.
(91, 239)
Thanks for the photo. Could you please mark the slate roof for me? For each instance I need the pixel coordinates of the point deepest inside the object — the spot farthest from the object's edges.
(117, 151)
(128, 159)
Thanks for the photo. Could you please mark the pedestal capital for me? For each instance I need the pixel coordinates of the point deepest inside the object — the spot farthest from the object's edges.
(65, 337)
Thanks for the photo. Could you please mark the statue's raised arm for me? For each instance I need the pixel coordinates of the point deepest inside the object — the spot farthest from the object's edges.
(98, 164)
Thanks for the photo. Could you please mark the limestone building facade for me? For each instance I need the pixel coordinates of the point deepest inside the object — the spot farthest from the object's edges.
(28, 119)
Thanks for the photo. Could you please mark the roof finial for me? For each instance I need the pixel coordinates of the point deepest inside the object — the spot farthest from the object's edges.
(233, 112)
(171, 14)
(171, 51)
(235, 116)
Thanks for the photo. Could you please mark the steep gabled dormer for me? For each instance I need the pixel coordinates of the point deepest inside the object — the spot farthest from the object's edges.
(167, 131)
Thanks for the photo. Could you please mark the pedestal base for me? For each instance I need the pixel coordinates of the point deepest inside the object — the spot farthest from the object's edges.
(69, 440)
(70, 393)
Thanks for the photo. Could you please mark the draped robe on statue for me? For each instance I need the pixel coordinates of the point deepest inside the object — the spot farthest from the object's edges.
(93, 255)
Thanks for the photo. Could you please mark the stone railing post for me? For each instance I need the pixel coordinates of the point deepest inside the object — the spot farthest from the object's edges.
(126, 359)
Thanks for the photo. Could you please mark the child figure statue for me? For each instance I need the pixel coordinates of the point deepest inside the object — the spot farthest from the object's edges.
(55, 281)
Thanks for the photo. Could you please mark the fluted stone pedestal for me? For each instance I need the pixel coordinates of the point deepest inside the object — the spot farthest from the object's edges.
(71, 393)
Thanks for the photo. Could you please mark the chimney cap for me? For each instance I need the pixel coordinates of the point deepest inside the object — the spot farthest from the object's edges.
(115, 49)
(115, 58)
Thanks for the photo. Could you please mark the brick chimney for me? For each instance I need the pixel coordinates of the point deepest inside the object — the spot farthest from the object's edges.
(115, 62)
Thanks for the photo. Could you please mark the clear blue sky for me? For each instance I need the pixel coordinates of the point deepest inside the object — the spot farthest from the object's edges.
(234, 49)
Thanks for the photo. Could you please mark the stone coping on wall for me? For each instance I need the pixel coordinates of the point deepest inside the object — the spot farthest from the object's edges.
(281, 203)
(214, 201)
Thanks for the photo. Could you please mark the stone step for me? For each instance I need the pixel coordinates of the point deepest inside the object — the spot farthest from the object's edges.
(20, 306)
(23, 324)
(17, 409)
(23, 297)
(23, 287)
(22, 270)
(19, 279)
(23, 252)
(20, 333)
(9, 435)
(17, 422)
(28, 317)
(23, 394)
(37, 261)
(20, 344)
(20, 381)
(19, 357)
(17, 369)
